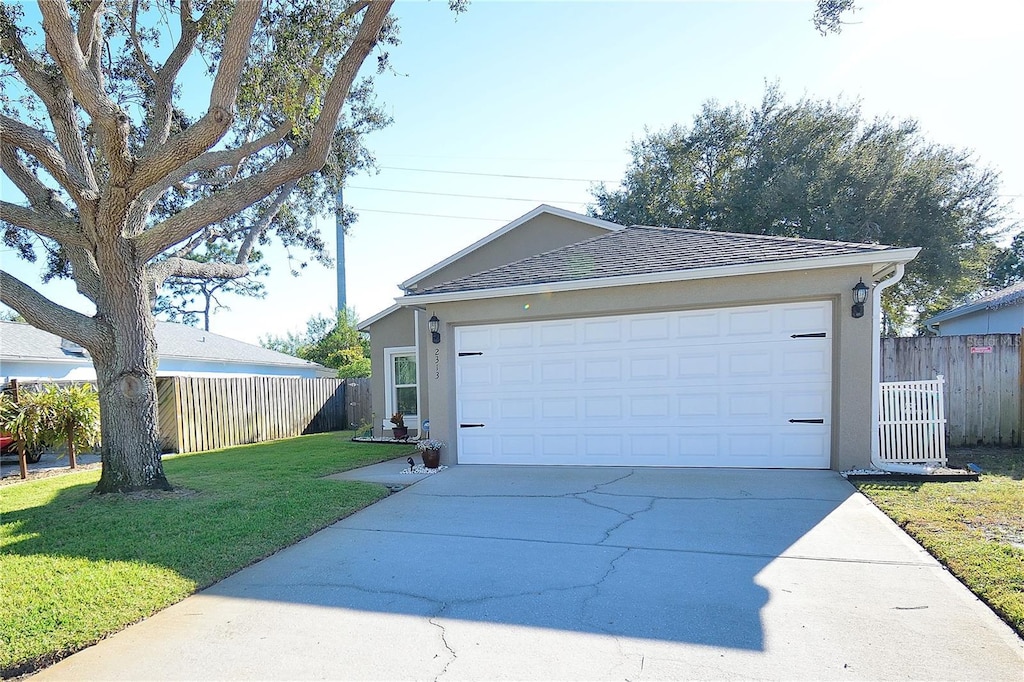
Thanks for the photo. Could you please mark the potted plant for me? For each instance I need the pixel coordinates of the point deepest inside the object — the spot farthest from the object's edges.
(399, 431)
(431, 452)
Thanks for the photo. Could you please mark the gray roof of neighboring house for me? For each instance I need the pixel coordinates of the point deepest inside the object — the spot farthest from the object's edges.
(1011, 295)
(177, 341)
(641, 250)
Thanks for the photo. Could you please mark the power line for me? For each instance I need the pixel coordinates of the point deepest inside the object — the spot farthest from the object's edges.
(493, 175)
(429, 215)
(468, 196)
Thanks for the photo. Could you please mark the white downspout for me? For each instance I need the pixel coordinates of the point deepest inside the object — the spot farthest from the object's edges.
(876, 375)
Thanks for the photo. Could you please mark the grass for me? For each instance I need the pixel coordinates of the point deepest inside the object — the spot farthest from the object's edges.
(976, 529)
(75, 567)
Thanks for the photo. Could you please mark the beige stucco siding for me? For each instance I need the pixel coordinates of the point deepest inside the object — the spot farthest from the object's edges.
(852, 338)
(543, 233)
(394, 330)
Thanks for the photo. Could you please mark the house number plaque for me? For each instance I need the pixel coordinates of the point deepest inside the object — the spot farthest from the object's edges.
(437, 363)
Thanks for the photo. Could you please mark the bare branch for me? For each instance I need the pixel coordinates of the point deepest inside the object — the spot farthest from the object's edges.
(163, 82)
(133, 33)
(111, 122)
(264, 222)
(199, 137)
(32, 141)
(56, 97)
(248, 191)
(44, 314)
(184, 267)
(48, 216)
(214, 160)
(88, 24)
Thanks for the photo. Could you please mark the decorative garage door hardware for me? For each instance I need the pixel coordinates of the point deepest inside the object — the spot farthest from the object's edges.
(806, 421)
(462, 355)
(816, 335)
(470, 426)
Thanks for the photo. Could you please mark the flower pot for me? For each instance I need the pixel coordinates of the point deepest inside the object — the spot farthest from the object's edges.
(431, 458)
(399, 432)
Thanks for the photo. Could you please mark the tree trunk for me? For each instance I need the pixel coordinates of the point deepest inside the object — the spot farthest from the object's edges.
(72, 462)
(126, 379)
(130, 450)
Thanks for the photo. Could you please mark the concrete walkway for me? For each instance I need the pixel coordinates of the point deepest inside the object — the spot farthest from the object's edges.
(556, 573)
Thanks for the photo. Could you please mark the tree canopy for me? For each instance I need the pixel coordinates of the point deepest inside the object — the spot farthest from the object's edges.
(332, 342)
(818, 169)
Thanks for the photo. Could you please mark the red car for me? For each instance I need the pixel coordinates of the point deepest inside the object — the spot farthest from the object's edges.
(9, 447)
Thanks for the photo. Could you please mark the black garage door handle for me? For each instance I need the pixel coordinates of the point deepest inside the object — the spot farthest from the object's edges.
(806, 421)
(470, 426)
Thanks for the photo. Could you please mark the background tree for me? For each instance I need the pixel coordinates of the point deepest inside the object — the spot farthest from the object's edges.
(193, 300)
(819, 170)
(330, 342)
(92, 137)
(1008, 264)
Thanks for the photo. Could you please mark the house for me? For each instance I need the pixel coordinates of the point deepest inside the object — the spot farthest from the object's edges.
(566, 340)
(30, 354)
(1000, 312)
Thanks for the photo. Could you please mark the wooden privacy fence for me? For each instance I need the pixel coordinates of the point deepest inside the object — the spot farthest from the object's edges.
(911, 422)
(204, 413)
(982, 392)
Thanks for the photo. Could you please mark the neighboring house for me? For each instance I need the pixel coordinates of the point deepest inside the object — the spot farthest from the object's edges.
(30, 354)
(1000, 312)
(569, 340)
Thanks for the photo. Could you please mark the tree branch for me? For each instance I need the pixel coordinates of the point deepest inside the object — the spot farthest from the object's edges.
(110, 121)
(48, 216)
(56, 97)
(211, 161)
(209, 129)
(248, 191)
(184, 267)
(42, 313)
(163, 81)
(264, 222)
(32, 141)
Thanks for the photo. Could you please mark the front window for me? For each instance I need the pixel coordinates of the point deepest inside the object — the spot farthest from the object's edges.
(403, 368)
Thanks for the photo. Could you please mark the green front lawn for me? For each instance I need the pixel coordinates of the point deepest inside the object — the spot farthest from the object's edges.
(75, 567)
(975, 529)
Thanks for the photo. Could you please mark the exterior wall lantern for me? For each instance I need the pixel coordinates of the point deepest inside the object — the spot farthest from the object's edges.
(860, 295)
(434, 325)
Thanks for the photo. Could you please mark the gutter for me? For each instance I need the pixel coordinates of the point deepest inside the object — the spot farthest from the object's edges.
(876, 386)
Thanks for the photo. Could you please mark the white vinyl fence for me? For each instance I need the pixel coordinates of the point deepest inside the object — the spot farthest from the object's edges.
(912, 422)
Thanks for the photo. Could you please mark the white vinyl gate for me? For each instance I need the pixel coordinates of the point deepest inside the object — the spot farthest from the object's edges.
(912, 422)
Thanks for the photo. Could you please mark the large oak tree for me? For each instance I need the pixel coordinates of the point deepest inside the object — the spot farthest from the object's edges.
(94, 139)
(821, 170)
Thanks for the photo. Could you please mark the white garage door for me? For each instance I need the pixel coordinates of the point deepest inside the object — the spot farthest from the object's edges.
(731, 387)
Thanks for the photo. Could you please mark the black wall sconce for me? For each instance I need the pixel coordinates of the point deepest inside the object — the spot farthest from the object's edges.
(860, 296)
(434, 325)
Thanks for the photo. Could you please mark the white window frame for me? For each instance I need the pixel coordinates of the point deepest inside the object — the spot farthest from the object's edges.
(411, 420)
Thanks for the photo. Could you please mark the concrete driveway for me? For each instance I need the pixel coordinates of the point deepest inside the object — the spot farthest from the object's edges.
(583, 573)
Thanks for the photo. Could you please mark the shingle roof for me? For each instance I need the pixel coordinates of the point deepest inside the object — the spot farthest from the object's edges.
(996, 299)
(641, 250)
(176, 341)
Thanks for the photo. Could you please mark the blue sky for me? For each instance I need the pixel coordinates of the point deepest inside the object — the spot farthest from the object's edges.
(560, 89)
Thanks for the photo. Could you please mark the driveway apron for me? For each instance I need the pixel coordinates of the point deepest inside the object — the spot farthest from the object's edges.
(546, 573)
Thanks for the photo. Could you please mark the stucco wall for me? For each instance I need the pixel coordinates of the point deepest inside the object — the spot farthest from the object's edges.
(543, 233)
(852, 338)
(1006, 320)
(396, 329)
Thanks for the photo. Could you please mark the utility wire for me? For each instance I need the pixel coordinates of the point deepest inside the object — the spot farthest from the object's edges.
(429, 215)
(468, 196)
(493, 175)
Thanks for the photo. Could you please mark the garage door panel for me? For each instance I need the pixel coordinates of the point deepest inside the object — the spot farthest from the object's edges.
(602, 369)
(691, 388)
